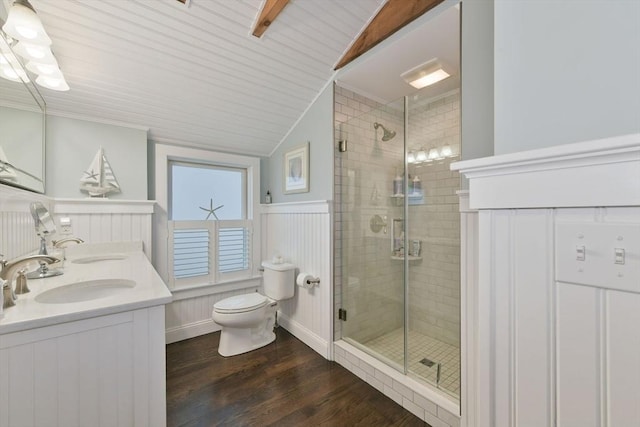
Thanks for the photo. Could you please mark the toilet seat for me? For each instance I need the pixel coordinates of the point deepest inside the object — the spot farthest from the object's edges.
(240, 303)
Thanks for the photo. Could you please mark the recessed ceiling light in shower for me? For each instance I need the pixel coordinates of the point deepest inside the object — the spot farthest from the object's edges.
(425, 74)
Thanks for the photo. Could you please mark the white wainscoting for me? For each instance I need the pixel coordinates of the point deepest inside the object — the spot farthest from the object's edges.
(301, 234)
(93, 220)
(550, 351)
(468, 312)
(106, 220)
(108, 370)
(17, 228)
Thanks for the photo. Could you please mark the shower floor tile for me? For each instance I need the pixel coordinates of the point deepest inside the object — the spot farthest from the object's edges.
(391, 346)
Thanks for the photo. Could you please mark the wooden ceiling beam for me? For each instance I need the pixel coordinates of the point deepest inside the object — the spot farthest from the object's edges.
(394, 15)
(270, 11)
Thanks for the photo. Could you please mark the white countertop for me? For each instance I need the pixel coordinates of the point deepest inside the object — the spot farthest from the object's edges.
(149, 290)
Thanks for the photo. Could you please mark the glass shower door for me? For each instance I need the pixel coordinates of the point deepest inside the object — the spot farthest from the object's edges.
(370, 215)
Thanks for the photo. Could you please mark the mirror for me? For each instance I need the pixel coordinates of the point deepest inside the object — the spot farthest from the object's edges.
(22, 123)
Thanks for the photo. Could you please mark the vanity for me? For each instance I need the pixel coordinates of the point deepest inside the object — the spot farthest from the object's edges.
(87, 347)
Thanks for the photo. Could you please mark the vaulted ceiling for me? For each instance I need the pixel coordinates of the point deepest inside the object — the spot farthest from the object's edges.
(193, 74)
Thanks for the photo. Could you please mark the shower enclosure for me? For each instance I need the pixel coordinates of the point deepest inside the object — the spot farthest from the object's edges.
(397, 240)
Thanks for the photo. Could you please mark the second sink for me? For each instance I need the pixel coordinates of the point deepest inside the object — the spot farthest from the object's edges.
(85, 291)
(98, 258)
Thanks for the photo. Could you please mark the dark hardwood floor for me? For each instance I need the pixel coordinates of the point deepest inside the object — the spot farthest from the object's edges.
(283, 384)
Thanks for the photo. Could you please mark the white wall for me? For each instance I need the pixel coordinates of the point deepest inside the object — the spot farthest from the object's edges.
(72, 145)
(315, 126)
(564, 71)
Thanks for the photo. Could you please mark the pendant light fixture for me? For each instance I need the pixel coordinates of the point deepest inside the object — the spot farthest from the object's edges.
(24, 34)
(23, 24)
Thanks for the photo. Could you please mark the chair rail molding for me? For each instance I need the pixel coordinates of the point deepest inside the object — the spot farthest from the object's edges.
(603, 172)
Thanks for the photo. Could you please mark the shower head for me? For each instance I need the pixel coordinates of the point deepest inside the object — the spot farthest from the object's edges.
(388, 134)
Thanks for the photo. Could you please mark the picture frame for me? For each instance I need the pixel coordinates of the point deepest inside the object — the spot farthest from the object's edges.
(295, 177)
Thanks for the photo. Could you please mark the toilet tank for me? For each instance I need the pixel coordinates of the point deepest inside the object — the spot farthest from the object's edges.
(278, 280)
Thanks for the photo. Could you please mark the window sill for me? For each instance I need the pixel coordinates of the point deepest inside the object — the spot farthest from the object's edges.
(207, 288)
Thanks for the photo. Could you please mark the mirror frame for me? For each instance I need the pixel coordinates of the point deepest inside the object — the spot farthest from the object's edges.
(30, 181)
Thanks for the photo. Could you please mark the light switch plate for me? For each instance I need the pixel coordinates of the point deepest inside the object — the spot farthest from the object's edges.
(599, 267)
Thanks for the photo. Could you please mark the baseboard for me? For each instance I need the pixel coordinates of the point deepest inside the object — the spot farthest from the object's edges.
(305, 335)
(192, 330)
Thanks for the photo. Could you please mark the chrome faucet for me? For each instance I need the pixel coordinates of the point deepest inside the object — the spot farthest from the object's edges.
(10, 268)
(62, 243)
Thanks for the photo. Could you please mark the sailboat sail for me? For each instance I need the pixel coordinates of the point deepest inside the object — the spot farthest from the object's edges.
(98, 179)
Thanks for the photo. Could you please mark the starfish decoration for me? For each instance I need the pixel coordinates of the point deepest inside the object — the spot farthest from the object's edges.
(211, 210)
(92, 174)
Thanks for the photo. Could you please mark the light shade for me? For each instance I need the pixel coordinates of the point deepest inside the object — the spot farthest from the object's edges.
(23, 24)
(433, 154)
(34, 52)
(445, 151)
(54, 83)
(421, 156)
(425, 74)
(15, 74)
(10, 67)
(43, 69)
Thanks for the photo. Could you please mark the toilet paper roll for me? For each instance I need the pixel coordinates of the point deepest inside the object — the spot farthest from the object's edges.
(305, 280)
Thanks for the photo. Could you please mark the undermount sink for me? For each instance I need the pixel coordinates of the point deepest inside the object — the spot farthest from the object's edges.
(98, 258)
(85, 291)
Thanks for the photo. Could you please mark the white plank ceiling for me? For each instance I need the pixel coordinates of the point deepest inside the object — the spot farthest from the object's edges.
(195, 75)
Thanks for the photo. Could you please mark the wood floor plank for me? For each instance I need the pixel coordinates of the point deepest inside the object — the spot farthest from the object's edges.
(283, 384)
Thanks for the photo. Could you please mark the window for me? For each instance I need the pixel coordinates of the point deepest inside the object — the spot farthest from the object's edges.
(209, 204)
(196, 187)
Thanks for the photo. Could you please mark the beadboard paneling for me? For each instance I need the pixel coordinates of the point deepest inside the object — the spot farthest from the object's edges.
(302, 236)
(103, 371)
(468, 309)
(17, 228)
(99, 221)
(93, 220)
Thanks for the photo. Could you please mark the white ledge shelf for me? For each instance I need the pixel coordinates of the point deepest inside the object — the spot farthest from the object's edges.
(603, 172)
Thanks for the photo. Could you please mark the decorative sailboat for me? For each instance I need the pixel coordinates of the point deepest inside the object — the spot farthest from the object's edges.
(6, 170)
(98, 180)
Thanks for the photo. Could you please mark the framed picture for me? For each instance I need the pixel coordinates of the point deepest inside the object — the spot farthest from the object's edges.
(296, 170)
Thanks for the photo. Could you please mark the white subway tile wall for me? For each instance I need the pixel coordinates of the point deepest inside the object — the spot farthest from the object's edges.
(434, 282)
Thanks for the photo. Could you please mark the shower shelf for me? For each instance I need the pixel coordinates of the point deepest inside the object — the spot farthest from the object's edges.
(414, 199)
(411, 258)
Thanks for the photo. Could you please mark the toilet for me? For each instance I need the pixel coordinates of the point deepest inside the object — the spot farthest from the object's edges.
(247, 320)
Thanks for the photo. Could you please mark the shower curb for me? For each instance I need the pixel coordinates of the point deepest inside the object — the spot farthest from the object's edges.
(419, 399)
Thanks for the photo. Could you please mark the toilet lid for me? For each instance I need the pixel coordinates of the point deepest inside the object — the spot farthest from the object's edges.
(240, 303)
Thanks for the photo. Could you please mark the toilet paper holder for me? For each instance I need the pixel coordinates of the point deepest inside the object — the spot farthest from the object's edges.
(307, 280)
